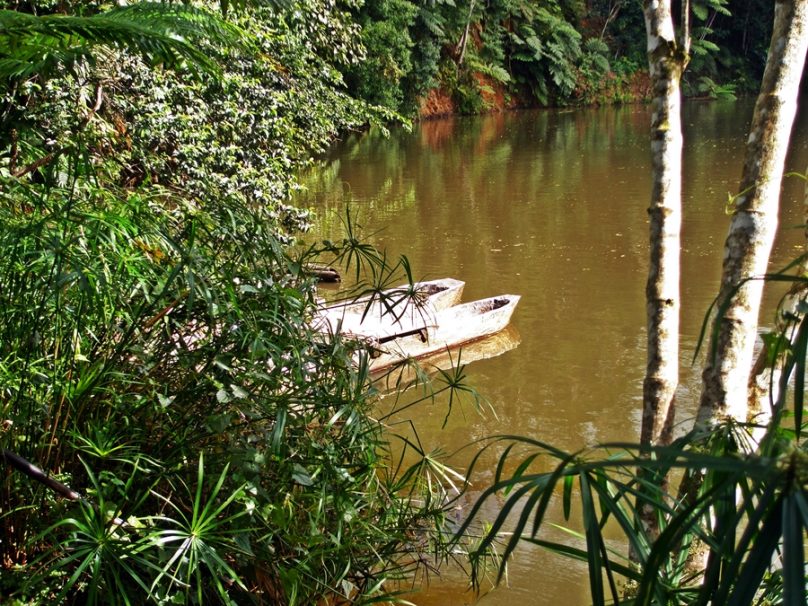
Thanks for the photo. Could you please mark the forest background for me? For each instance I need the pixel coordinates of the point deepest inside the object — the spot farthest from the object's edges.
(440, 57)
(200, 443)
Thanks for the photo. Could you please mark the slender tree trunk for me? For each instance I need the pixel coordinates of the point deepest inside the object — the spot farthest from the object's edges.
(666, 63)
(764, 382)
(614, 10)
(464, 40)
(686, 27)
(754, 222)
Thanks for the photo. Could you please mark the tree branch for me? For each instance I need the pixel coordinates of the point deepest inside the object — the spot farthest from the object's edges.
(35, 473)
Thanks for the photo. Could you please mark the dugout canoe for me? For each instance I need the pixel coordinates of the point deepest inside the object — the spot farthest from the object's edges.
(391, 312)
(453, 327)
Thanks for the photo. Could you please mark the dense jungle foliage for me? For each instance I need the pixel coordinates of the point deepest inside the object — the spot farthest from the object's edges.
(561, 52)
(156, 353)
(156, 349)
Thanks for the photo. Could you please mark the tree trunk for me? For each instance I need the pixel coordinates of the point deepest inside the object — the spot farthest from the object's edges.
(666, 63)
(614, 10)
(764, 381)
(754, 222)
(464, 39)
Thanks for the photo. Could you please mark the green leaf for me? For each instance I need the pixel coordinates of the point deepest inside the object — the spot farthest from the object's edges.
(759, 557)
(709, 46)
(593, 540)
(793, 553)
(162, 33)
(239, 391)
(700, 11)
(301, 475)
(567, 501)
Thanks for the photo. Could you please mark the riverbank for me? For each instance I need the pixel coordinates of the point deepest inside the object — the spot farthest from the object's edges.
(613, 89)
(155, 334)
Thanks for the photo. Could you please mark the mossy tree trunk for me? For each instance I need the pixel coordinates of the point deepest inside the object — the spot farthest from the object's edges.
(725, 392)
(764, 381)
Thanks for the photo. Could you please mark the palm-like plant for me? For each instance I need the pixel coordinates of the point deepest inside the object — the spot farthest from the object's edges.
(142, 325)
(751, 514)
(196, 542)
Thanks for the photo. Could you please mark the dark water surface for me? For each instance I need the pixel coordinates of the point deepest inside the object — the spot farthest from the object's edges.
(549, 205)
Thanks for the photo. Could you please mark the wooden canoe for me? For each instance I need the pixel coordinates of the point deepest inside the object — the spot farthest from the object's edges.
(452, 328)
(393, 312)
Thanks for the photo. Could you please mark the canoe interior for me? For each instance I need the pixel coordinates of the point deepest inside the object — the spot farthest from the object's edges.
(392, 312)
(441, 293)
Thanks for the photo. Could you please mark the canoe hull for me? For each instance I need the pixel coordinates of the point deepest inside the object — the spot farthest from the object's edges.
(389, 379)
(397, 311)
(453, 327)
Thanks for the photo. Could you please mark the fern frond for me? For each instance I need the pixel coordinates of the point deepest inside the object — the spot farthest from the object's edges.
(596, 45)
(496, 72)
(534, 43)
(699, 11)
(433, 22)
(162, 33)
(241, 5)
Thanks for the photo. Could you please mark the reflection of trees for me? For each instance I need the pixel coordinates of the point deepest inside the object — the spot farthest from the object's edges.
(435, 134)
(493, 181)
(496, 193)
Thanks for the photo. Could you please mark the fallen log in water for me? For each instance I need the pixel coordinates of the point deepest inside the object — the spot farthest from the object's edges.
(323, 273)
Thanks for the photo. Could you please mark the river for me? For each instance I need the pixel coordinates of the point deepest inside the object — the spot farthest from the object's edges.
(550, 205)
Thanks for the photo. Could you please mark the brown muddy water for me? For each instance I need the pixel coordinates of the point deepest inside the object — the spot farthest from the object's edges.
(550, 205)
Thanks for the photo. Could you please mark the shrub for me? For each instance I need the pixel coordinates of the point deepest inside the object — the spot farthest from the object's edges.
(156, 352)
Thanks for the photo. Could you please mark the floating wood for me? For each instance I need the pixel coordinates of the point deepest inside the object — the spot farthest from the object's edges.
(323, 273)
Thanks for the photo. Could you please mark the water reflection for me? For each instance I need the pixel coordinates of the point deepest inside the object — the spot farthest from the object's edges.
(550, 205)
(411, 376)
